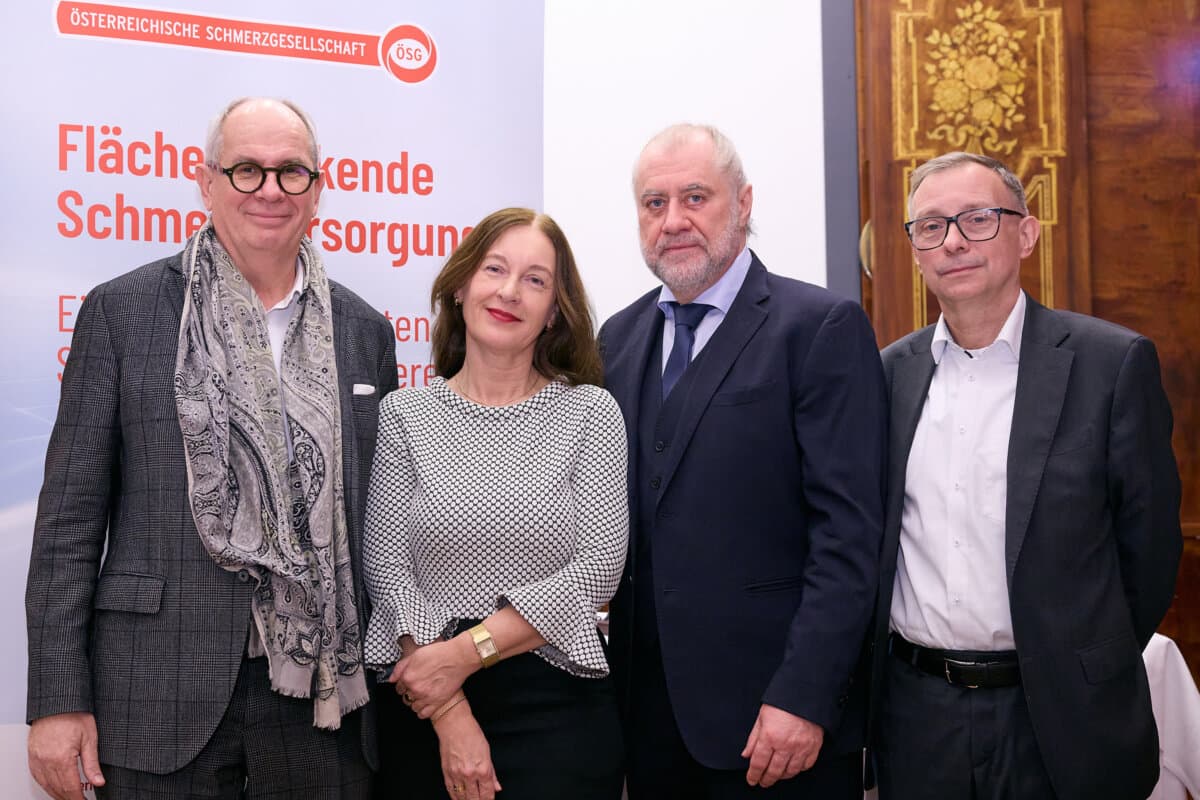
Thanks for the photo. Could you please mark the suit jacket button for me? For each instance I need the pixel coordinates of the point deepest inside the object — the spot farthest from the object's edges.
(655, 483)
(659, 445)
(243, 575)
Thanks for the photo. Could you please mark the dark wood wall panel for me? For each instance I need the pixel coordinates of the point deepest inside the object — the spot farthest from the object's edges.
(1143, 89)
(1183, 620)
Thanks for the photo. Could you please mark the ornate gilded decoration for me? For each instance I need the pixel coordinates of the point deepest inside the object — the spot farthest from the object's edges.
(986, 77)
(977, 72)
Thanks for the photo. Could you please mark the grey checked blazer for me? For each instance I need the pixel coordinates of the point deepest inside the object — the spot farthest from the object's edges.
(128, 616)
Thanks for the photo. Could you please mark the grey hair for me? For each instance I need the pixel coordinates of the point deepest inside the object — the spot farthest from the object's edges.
(216, 129)
(959, 158)
(725, 155)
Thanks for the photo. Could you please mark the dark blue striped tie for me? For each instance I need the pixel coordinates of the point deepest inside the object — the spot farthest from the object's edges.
(687, 317)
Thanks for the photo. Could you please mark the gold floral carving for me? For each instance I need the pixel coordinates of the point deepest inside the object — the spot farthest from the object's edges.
(977, 72)
(986, 76)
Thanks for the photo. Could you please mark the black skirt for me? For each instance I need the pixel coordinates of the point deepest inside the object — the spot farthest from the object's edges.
(552, 735)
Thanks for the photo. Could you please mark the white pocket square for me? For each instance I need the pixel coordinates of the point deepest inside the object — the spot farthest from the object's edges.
(364, 388)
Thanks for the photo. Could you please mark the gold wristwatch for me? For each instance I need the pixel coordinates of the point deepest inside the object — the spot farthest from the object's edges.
(485, 645)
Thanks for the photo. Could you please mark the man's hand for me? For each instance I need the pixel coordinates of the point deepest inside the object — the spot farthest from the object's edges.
(781, 745)
(55, 744)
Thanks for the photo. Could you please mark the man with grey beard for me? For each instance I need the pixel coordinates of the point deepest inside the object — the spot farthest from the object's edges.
(756, 419)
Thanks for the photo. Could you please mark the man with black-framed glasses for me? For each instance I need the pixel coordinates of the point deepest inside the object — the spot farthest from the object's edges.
(195, 602)
(1032, 533)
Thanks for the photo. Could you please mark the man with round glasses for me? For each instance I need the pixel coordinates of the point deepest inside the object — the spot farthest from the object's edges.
(1032, 533)
(248, 177)
(195, 604)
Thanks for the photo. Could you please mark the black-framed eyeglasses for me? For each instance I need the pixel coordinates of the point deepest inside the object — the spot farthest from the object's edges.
(975, 225)
(248, 177)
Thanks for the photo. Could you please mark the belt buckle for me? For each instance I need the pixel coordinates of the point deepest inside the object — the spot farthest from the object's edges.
(946, 662)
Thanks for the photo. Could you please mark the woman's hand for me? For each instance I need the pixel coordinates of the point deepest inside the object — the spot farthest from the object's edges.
(466, 758)
(429, 677)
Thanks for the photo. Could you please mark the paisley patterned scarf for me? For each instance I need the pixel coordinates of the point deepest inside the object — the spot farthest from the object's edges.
(282, 521)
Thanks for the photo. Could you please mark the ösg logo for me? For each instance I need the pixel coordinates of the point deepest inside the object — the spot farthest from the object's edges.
(408, 53)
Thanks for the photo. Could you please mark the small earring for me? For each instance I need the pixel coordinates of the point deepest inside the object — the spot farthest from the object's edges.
(457, 300)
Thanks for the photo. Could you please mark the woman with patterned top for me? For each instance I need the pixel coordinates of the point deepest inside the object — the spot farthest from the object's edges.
(496, 525)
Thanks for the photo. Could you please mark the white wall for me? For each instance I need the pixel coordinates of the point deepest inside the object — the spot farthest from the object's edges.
(617, 72)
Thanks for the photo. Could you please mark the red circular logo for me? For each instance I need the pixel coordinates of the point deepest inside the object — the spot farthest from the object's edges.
(408, 53)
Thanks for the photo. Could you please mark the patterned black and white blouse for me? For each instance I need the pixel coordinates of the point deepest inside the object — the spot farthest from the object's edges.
(473, 507)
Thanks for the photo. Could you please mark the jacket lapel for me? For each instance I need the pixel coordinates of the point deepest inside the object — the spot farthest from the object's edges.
(910, 379)
(626, 358)
(745, 317)
(177, 286)
(350, 487)
(908, 386)
(1042, 378)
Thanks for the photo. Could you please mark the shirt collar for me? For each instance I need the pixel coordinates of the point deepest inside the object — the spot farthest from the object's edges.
(297, 289)
(1010, 333)
(721, 294)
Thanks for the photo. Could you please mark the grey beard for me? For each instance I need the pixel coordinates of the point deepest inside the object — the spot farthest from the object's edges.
(688, 281)
(685, 281)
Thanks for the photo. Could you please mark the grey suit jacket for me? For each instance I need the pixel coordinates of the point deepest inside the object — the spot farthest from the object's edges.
(128, 616)
(1092, 538)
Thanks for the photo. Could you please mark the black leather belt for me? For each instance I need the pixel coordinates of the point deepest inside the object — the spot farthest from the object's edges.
(973, 669)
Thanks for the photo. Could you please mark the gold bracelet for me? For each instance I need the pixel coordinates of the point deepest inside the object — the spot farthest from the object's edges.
(444, 710)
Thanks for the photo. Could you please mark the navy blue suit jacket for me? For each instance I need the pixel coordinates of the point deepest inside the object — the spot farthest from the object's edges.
(767, 516)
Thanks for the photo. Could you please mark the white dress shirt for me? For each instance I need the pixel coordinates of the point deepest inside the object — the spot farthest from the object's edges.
(951, 588)
(279, 317)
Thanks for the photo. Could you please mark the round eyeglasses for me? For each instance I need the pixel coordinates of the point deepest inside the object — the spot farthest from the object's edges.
(248, 177)
(976, 225)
